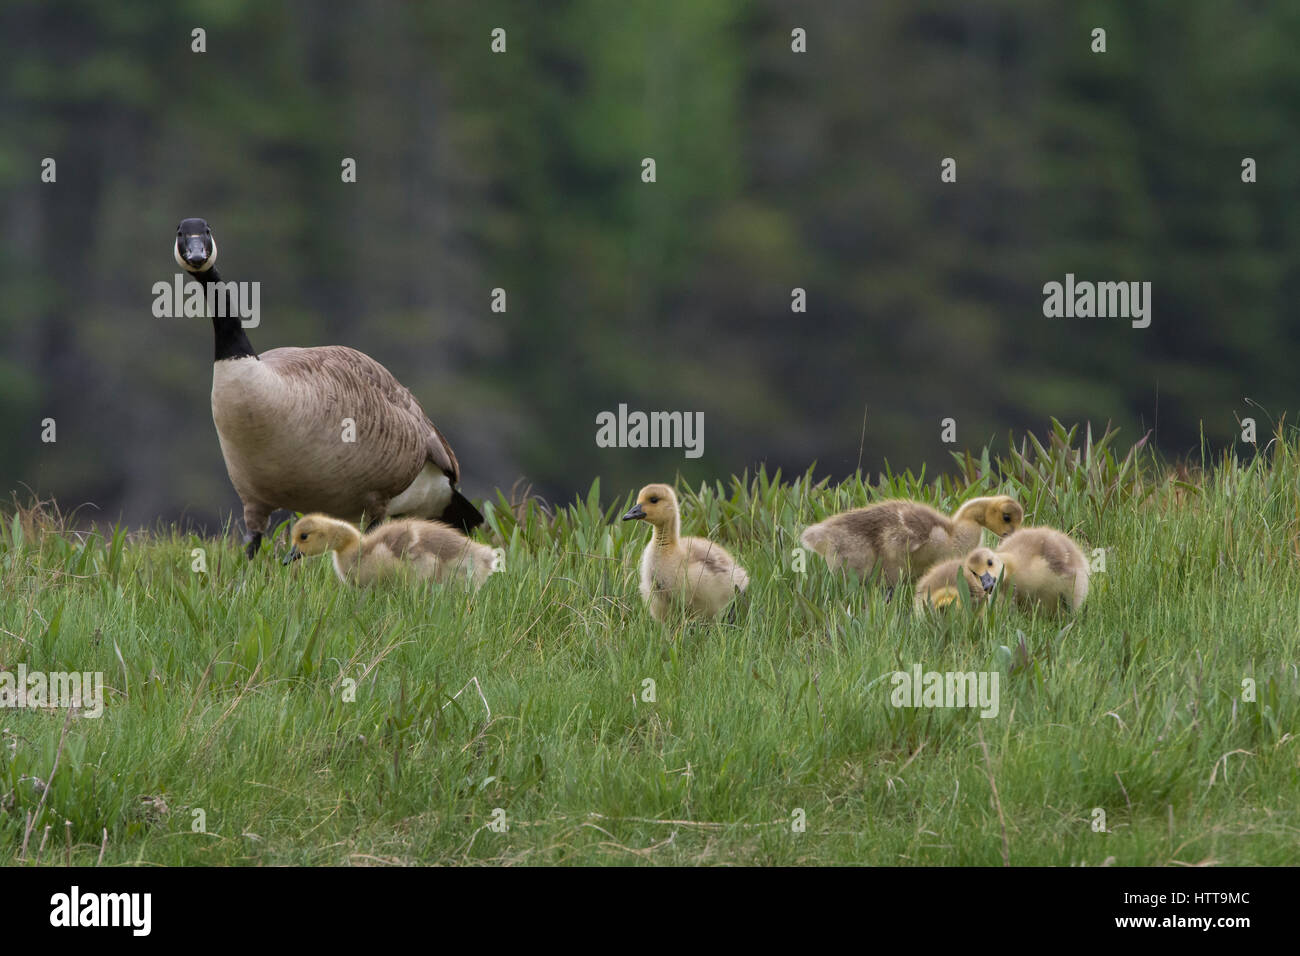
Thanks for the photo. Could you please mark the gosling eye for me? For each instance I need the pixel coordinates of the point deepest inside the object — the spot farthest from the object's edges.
(990, 564)
(654, 500)
(1007, 518)
(303, 536)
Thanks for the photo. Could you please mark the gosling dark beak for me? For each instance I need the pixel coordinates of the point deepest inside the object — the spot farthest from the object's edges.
(636, 512)
(293, 555)
(987, 580)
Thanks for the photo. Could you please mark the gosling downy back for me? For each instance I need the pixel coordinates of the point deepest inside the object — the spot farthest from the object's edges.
(408, 548)
(1046, 567)
(693, 577)
(900, 538)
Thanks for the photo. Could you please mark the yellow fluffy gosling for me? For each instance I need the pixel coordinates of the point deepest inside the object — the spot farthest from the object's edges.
(902, 538)
(691, 574)
(978, 572)
(408, 548)
(1046, 567)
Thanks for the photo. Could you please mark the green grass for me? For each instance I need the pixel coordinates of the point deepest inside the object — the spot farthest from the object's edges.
(226, 690)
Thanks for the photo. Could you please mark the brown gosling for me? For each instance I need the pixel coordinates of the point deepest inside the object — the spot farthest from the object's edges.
(408, 548)
(682, 574)
(1045, 567)
(901, 538)
(978, 573)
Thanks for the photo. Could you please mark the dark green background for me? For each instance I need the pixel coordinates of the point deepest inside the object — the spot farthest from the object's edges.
(522, 171)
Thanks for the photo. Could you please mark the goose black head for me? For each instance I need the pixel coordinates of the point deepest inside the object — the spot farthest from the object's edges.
(195, 250)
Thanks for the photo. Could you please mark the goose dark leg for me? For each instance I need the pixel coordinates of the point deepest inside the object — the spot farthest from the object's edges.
(374, 508)
(255, 518)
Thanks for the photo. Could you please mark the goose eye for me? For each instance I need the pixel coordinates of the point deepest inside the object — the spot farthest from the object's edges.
(990, 564)
(1006, 518)
(654, 501)
(303, 536)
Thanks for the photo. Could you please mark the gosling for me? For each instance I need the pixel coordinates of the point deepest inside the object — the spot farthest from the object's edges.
(679, 574)
(978, 573)
(901, 538)
(1045, 567)
(407, 548)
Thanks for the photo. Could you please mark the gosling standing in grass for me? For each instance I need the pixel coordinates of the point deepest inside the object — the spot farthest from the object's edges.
(978, 573)
(1045, 567)
(902, 538)
(408, 548)
(690, 574)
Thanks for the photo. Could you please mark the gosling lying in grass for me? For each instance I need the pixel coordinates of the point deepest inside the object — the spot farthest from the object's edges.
(977, 573)
(1045, 567)
(902, 538)
(407, 549)
(682, 574)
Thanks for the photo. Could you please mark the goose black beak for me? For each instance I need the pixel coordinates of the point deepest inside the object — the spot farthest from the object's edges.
(194, 251)
(636, 512)
(987, 581)
(293, 555)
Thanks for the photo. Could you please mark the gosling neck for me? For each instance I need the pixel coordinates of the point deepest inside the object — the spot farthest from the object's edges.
(228, 333)
(346, 543)
(966, 524)
(971, 512)
(666, 534)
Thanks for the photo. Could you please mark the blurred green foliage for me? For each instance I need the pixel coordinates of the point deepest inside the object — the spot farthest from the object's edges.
(522, 171)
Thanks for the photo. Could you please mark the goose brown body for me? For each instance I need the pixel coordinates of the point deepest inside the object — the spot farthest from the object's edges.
(404, 549)
(899, 538)
(1045, 566)
(280, 420)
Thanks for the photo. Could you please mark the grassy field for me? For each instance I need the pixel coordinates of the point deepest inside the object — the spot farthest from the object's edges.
(227, 690)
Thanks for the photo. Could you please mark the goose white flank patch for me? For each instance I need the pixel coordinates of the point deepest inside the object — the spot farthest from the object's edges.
(898, 539)
(977, 573)
(404, 549)
(324, 429)
(691, 576)
(1044, 566)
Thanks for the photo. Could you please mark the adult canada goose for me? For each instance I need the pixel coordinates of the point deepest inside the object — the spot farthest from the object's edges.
(902, 538)
(1046, 567)
(679, 574)
(408, 547)
(978, 573)
(280, 418)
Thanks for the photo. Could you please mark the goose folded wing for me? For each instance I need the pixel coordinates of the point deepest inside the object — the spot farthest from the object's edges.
(354, 371)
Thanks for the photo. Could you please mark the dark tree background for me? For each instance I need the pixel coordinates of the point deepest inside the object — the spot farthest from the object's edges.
(522, 171)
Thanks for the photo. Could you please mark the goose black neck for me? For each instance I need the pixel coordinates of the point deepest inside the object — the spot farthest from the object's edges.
(228, 333)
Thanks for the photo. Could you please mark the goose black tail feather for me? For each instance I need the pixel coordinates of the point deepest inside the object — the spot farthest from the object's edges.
(460, 513)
